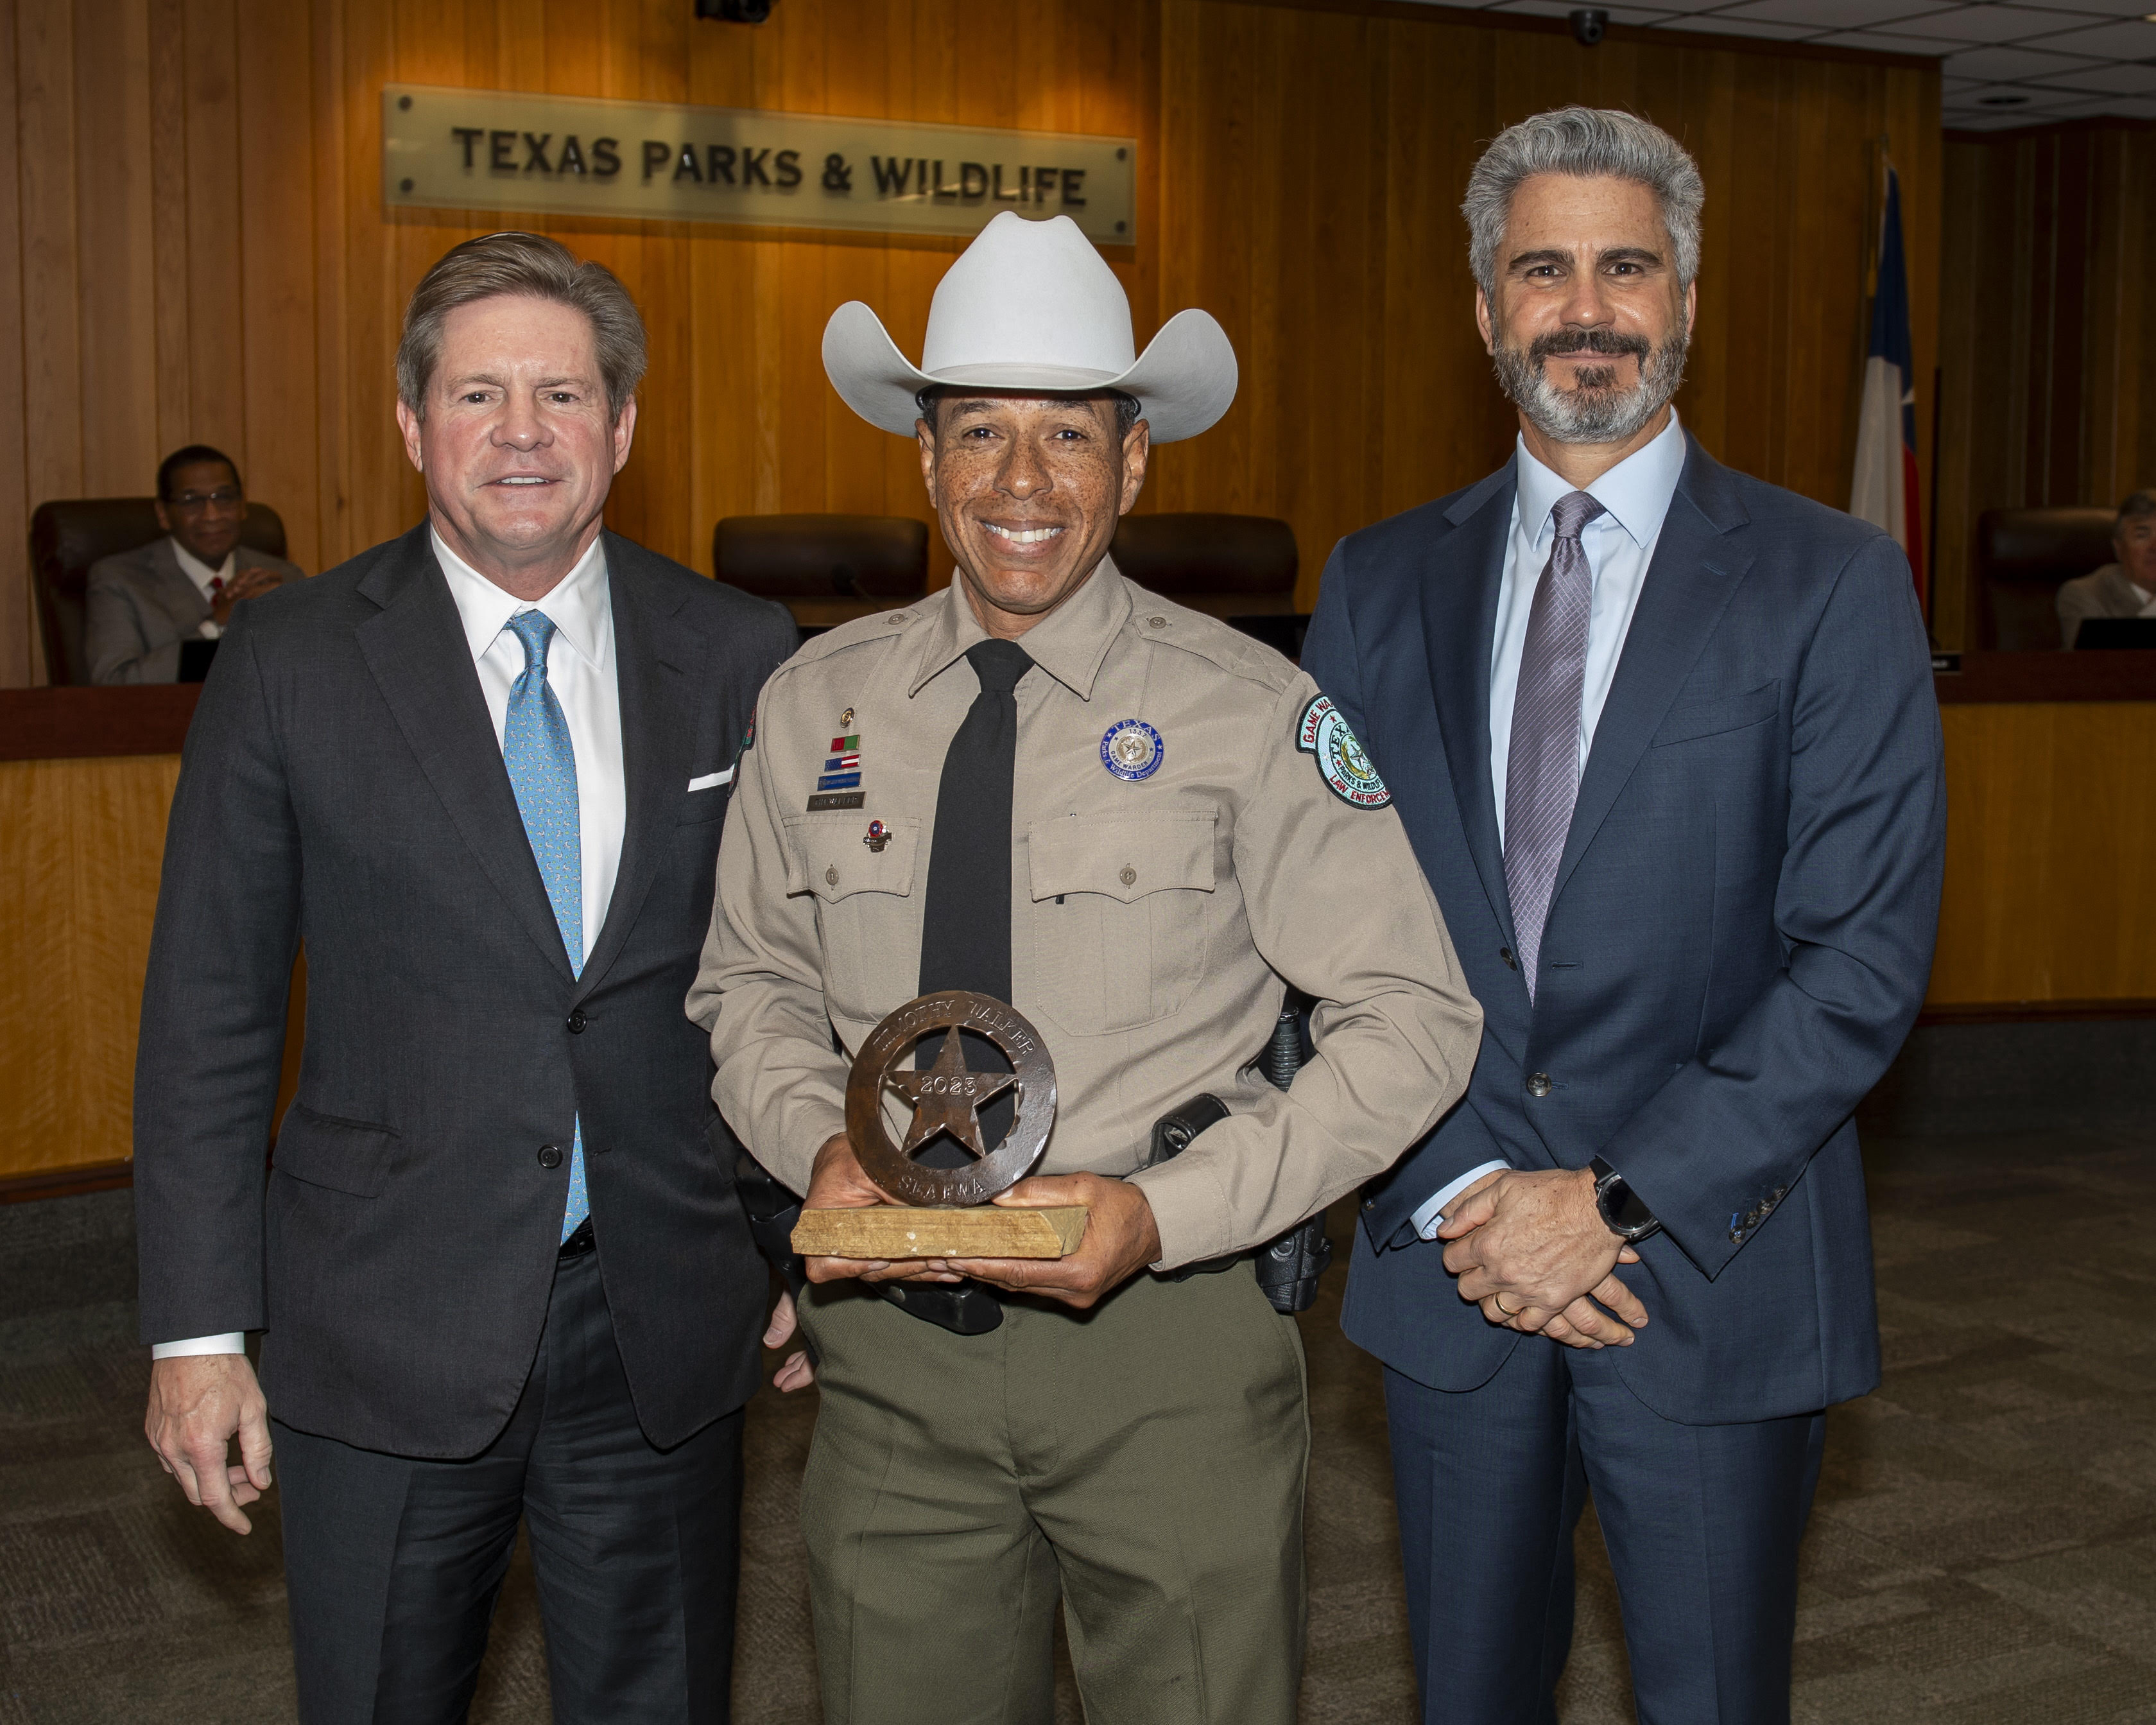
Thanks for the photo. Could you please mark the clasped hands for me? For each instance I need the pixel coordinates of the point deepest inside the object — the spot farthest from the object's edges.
(1532, 1250)
(1120, 1235)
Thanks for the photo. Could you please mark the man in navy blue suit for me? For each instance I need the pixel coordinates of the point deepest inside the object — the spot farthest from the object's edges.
(1665, 739)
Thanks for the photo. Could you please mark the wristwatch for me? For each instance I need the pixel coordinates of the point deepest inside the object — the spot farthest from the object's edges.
(1624, 1210)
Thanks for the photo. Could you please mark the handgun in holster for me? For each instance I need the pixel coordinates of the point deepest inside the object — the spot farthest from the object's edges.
(1288, 1267)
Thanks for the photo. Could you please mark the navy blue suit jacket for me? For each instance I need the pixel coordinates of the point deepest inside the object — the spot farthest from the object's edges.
(1739, 939)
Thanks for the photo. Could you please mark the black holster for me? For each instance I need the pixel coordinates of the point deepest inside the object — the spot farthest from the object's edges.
(1288, 1268)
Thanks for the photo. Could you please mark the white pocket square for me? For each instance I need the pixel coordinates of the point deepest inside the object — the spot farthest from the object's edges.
(711, 779)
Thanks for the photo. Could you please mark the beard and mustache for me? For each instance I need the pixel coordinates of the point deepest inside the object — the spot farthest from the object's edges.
(1596, 410)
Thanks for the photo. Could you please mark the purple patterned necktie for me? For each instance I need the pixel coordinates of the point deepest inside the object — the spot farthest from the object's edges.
(1542, 769)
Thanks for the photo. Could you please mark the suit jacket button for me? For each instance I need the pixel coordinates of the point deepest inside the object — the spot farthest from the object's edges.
(1369, 1204)
(550, 1156)
(1538, 1084)
(1506, 954)
(577, 1022)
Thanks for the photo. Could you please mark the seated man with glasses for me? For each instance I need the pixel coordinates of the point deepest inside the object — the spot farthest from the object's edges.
(147, 605)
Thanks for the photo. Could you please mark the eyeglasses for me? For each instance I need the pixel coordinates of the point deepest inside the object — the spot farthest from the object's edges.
(224, 497)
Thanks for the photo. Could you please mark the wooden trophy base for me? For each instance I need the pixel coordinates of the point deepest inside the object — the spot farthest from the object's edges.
(892, 1231)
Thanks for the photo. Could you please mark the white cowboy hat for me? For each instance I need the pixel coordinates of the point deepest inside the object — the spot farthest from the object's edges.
(1032, 305)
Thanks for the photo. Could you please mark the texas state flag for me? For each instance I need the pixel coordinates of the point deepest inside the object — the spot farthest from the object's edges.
(1885, 491)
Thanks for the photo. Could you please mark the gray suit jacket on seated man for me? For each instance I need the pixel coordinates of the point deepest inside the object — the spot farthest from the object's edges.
(2125, 588)
(1665, 742)
(143, 603)
(481, 771)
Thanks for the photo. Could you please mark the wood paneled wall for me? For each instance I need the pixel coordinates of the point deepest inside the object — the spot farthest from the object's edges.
(202, 253)
(2049, 386)
(80, 843)
(2051, 810)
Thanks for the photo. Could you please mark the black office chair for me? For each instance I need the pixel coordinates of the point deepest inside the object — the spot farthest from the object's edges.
(1239, 568)
(67, 537)
(2023, 557)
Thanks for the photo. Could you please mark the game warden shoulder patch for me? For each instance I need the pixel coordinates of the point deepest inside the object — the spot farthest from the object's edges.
(1347, 771)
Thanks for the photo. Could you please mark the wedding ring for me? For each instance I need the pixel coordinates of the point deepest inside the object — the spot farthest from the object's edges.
(1502, 1307)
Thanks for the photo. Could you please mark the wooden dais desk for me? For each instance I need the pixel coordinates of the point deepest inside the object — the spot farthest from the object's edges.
(2052, 838)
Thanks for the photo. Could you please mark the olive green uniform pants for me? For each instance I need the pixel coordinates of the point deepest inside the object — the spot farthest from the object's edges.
(1144, 1462)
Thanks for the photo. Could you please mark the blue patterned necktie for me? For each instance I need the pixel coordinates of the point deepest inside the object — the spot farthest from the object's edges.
(1541, 768)
(542, 771)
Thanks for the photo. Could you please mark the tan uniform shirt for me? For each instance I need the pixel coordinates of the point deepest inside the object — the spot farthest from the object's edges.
(1152, 917)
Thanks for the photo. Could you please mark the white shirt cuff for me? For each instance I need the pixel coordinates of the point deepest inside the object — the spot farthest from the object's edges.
(232, 1342)
(209, 628)
(1431, 1216)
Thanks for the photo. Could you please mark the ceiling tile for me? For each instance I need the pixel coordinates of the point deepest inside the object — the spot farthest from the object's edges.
(2005, 65)
(1832, 14)
(2101, 8)
(1879, 42)
(1987, 23)
(2130, 40)
(2114, 80)
(2029, 100)
(1723, 25)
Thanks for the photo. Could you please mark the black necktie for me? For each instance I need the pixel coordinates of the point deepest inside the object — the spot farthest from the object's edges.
(966, 917)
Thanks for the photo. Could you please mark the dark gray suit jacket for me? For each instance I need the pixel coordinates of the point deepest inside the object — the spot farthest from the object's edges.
(342, 786)
(1739, 939)
(140, 605)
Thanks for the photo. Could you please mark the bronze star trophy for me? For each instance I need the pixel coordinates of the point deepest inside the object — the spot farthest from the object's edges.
(945, 1213)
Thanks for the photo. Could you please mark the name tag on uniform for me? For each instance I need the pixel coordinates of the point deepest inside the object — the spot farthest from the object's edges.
(710, 779)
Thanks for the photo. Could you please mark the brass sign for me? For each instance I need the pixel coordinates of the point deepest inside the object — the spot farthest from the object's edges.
(486, 150)
(946, 1099)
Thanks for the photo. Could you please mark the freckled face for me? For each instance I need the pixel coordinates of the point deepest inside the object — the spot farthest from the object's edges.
(1029, 489)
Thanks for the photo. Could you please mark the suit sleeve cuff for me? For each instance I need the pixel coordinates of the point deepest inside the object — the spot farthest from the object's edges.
(232, 1342)
(1431, 1216)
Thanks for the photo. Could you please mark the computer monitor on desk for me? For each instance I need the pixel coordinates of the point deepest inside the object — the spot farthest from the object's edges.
(2132, 634)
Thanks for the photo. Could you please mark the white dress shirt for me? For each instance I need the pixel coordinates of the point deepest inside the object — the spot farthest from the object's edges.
(206, 580)
(580, 670)
(1620, 543)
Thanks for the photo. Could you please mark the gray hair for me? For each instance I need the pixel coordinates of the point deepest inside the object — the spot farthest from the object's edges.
(2138, 505)
(1584, 142)
(528, 266)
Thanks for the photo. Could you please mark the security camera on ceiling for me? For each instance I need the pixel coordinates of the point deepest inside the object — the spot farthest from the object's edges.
(735, 12)
(1587, 25)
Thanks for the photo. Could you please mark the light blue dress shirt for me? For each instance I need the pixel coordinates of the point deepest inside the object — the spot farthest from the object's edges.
(1620, 543)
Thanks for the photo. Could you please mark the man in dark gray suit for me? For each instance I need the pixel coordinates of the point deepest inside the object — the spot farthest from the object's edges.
(143, 604)
(502, 1269)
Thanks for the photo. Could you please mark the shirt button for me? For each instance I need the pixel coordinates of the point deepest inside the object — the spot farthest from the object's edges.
(550, 1156)
(1538, 1084)
(831, 875)
(1156, 622)
(577, 1022)
(1129, 876)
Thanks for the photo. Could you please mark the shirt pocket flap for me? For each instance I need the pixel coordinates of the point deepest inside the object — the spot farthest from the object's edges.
(1727, 712)
(344, 1155)
(1122, 859)
(831, 856)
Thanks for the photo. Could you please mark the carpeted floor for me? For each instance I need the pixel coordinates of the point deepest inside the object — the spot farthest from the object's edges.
(1985, 1548)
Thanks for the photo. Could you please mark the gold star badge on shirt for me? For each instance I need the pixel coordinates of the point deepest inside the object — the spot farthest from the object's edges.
(948, 1098)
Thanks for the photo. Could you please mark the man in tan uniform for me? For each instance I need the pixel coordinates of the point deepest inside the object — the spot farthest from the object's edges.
(1132, 823)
